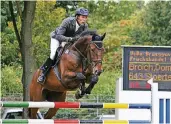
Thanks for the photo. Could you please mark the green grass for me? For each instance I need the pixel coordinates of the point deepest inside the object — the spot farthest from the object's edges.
(106, 83)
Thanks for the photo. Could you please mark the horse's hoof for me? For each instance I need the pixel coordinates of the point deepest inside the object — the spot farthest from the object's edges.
(88, 92)
(78, 95)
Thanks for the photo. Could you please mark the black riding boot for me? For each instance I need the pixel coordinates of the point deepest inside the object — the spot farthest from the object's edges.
(45, 69)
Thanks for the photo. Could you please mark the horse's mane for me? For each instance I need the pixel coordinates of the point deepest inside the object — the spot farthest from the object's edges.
(88, 32)
(94, 38)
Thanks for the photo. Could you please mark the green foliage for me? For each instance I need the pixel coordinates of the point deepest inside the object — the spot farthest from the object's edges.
(156, 24)
(47, 18)
(76, 113)
(10, 50)
(113, 12)
(117, 34)
(11, 80)
(112, 61)
(123, 24)
(69, 6)
(106, 83)
(4, 15)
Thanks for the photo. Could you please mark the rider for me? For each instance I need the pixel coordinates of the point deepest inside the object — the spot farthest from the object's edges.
(68, 31)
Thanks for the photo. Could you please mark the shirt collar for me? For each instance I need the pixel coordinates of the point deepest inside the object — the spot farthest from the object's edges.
(77, 26)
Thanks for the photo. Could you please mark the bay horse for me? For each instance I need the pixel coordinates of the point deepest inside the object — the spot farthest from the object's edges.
(79, 64)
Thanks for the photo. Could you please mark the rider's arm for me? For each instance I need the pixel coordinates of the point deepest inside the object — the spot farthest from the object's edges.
(60, 31)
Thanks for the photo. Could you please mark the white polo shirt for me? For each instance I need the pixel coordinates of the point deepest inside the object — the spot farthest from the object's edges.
(77, 26)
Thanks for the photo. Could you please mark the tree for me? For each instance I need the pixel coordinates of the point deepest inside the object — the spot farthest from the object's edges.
(156, 29)
(47, 19)
(10, 49)
(25, 43)
(69, 6)
(99, 18)
(4, 15)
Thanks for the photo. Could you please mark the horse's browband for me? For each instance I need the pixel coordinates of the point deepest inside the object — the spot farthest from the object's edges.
(94, 42)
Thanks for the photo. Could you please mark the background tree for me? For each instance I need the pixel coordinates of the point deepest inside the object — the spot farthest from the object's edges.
(126, 23)
(11, 63)
(25, 44)
(155, 24)
(47, 19)
(69, 6)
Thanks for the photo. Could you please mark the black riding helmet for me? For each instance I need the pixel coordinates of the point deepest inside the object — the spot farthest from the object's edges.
(81, 11)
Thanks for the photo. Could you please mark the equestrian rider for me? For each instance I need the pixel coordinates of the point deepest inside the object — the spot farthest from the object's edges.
(68, 31)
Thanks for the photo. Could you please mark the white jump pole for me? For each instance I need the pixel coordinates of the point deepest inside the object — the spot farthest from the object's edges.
(154, 102)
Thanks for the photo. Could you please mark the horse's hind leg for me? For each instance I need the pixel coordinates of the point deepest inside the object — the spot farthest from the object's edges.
(35, 95)
(33, 113)
(50, 113)
(54, 97)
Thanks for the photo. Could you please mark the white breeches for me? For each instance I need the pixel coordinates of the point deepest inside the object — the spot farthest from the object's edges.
(54, 46)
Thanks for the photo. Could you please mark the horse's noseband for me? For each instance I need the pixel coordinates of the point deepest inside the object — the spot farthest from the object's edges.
(98, 45)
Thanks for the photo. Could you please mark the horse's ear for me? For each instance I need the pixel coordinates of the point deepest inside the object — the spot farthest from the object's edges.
(102, 37)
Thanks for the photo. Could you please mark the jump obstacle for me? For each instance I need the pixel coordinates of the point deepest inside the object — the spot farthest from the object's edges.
(75, 121)
(75, 105)
(160, 108)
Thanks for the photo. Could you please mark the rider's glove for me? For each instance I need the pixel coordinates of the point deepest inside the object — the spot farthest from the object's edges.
(73, 39)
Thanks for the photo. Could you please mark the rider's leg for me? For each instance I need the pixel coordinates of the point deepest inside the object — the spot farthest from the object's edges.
(47, 65)
(53, 47)
(63, 44)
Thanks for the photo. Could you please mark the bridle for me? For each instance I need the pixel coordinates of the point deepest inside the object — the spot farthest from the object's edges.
(89, 60)
(96, 61)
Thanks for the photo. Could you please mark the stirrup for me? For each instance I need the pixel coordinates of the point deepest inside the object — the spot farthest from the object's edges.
(41, 79)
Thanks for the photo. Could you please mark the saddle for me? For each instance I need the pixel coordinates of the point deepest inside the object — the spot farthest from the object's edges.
(59, 53)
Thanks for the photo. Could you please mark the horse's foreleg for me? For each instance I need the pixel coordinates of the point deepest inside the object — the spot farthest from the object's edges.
(35, 95)
(89, 88)
(81, 91)
(93, 81)
(74, 76)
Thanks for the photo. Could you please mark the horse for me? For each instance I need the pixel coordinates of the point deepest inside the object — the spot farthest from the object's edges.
(79, 63)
